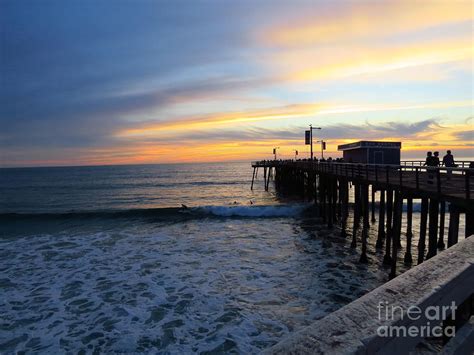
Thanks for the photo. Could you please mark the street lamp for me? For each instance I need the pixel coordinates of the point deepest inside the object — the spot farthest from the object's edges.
(275, 152)
(311, 137)
(323, 147)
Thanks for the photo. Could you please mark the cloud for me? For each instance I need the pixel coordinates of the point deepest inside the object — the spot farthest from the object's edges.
(359, 61)
(370, 41)
(247, 142)
(225, 118)
(93, 80)
(71, 73)
(92, 121)
(384, 130)
(363, 20)
(279, 113)
(466, 135)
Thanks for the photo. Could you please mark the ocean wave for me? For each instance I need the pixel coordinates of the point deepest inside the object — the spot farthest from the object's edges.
(181, 213)
(254, 211)
(169, 212)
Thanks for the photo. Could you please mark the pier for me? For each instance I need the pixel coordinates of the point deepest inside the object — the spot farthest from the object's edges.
(328, 185)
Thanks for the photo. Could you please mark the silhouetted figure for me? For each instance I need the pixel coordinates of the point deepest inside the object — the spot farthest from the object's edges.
(448, 161)
(429, 159)
(436, 159)
(430, 162)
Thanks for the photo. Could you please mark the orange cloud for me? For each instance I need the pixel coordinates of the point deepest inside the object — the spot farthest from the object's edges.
(370, 20)
(435, 137)
(234, 119)
(220, 119)
(357, 60)
(361, 41)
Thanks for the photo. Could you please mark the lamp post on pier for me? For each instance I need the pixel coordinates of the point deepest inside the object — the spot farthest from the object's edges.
(275, 152)
(323, 147)
(311, 137)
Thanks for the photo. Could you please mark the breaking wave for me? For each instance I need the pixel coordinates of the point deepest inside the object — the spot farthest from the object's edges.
(254, 211)
(184, 212)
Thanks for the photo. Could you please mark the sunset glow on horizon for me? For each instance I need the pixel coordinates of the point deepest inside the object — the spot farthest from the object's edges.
(101, 82)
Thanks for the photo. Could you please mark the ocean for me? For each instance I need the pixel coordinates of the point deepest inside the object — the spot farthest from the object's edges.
(106, 259)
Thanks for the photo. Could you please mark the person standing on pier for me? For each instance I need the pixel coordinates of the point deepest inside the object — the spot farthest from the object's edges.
(430, 162)
(436, 159)
(429, 159)
(448, 162)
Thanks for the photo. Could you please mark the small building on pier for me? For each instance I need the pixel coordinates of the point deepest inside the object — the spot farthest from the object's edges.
(371, 152)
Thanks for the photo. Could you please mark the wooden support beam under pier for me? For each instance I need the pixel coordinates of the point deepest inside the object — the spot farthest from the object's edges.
(387, 259)
(408, 259)
(442, 216)
(381, 231)
(365, 223)
(396, 229)
(328, 184)
(423, 222)
(433, 228)
(453, 231)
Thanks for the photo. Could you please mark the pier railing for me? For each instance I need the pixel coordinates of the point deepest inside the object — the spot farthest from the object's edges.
(458, 163)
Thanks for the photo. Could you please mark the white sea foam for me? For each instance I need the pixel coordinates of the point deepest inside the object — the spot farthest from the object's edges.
(223, 285)
(255, 211)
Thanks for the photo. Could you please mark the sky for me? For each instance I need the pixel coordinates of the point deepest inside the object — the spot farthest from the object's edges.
(130, 82)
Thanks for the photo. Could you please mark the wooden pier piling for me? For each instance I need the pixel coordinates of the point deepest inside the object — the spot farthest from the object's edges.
(373, 205)
(345, 206)
(328, 186)
(453, 231)
(442, 215)
(381, 230)
(423, 223)
(408, 259)
(433, 228)
(365, 224)
(396, 229)
(387, 259)
(253, 178)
